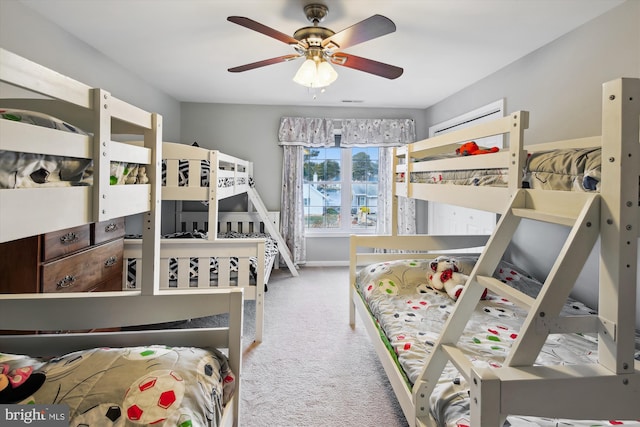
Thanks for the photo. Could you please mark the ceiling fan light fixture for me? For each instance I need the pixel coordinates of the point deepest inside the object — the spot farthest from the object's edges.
(326, 74)
(315, 74)
(307, 73)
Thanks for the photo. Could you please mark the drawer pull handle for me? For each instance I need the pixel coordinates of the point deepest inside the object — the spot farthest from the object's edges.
(111, 228)
(66, 282)
(69, 238)
(111, 261)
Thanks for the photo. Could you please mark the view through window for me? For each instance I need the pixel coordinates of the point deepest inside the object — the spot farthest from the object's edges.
(341, 189)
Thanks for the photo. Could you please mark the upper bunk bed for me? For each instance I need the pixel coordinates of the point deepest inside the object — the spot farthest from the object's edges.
(498, 344)
(426, 169)
(80, 126)
(192, 173)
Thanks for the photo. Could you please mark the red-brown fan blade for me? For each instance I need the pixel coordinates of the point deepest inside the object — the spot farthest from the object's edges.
(366, 65)
(263, 63)
(370, 28)
(261, 28)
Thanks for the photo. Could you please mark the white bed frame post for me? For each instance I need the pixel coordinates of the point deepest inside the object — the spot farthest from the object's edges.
(619, 224)
(102, 155)
(250, 206)
(394, 199)
(236, 322)
(152, 219)
(213, 196)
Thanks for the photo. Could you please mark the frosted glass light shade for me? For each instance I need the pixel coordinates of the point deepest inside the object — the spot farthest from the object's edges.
(326, 74)
(307, 73)
(315, 75)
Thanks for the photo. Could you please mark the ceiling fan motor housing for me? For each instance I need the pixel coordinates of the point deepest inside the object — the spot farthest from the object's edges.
(316, 12)
(313, 36)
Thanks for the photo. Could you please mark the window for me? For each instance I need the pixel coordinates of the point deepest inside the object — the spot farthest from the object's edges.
(340, 189)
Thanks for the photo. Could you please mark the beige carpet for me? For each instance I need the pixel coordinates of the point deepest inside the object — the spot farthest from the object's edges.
(313, 369)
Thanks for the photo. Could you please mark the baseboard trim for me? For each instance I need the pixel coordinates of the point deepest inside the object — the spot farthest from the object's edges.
(326, 264)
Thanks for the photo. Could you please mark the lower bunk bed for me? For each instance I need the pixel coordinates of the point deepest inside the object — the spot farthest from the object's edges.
(127, 374)
(241, 257)
(401, 306)
(234, 225)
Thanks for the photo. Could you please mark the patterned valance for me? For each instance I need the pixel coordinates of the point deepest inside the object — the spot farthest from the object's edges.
(310, 132)
(379, 132)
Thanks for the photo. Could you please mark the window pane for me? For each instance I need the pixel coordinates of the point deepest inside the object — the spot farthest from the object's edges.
(322, 206)
(322, 164)
(364, 164)
(364, 206)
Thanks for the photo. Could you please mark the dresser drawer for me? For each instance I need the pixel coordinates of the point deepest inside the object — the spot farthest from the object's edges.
(114, 283)
(63, 242)
(82, 271)
(107, 230)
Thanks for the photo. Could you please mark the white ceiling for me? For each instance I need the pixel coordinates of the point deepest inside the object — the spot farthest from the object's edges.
(184, 47)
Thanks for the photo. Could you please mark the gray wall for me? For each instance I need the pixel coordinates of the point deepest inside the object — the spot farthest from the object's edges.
(251, 132)
(560, 85)
(26, 33)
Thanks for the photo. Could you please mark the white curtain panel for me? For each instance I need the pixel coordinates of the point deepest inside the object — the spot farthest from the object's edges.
(292, 212)
(406, 206)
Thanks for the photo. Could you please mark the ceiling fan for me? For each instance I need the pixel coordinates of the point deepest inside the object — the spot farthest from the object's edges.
(321, 46)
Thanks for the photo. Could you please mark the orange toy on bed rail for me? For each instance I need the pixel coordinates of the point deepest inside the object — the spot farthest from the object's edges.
(471, 149)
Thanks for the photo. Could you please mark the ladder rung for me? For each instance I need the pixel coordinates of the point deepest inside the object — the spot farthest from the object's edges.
(460, 360)
(544, 216)
(500, 288)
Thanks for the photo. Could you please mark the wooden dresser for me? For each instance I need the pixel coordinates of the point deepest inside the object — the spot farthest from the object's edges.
(87, 258)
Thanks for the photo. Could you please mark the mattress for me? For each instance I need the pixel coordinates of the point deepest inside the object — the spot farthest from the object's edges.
(32, 170)
(168, 386)
(411, 316)
(565, 170)
(271, 251)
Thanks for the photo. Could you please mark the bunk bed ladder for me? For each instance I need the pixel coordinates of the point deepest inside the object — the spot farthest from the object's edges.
(255, 199)
(544, 310)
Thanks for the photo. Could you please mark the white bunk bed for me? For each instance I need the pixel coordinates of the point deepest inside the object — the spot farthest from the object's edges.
(63, 101)
(35, 210)
(190, 170)
(235, 225)
(240, 250)
(539, 358)
(192, 380)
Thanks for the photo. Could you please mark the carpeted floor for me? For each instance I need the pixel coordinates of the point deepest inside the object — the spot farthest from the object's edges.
(312, 369)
